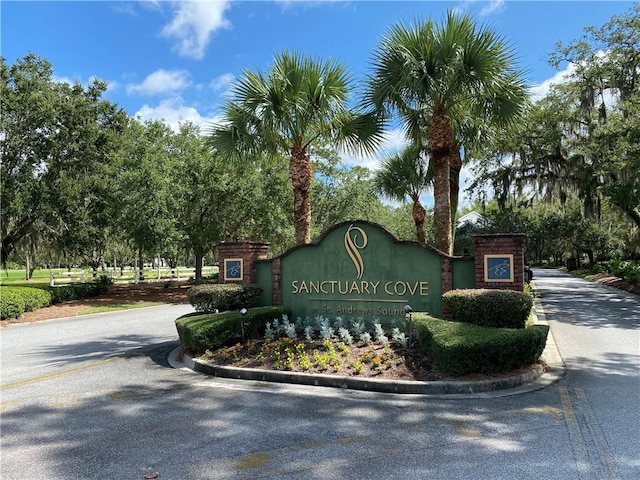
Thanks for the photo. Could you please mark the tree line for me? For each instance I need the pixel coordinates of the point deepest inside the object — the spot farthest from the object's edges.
(576, 153)
(84, 183)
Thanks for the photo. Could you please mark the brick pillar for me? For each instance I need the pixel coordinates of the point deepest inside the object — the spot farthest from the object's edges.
(447, 283)
(497, 248)
(276, 269)
(240, 254)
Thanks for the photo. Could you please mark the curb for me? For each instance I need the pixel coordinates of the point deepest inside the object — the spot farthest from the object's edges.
(550, 370)
(551, 355)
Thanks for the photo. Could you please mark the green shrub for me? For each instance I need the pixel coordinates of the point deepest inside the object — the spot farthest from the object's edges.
(528, 289)
(626, 269)
(11, 303)
(62, 294)
(17, 300)
(199, 332)
(223, 296)
(34, 298)
(462, 348)
(490, 308)
(77, 291)
(633, 275)
(616, 267)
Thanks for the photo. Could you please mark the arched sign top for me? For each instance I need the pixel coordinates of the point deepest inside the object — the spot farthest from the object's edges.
(359, 269)
(365, 225)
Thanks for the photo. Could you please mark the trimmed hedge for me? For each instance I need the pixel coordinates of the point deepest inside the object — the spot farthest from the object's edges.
(201, 332)
(490, 308)
(77, 291)
(223, 296)
(462, 348)
(12, 303)
(34, 298)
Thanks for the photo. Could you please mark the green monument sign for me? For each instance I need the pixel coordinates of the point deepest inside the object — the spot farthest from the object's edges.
(359, 269)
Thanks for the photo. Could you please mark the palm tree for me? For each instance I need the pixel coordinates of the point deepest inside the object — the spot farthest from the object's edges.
(299, 101)
(406, 175)
(429, 74)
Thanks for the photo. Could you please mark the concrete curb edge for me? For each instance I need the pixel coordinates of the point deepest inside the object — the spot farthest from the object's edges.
(539, 377)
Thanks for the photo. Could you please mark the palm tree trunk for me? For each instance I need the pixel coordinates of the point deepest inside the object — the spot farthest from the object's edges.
(301, 175)
(419, 216)
(440, 137)
(455, 167)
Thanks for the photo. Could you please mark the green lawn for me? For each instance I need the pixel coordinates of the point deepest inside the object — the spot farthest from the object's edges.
(119, 306)
(16, 277)
(62, 276)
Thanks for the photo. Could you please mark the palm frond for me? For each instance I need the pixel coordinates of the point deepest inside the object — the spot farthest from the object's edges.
(405, 174)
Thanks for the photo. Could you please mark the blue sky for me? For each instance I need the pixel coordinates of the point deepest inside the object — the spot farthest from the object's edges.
(175, 60)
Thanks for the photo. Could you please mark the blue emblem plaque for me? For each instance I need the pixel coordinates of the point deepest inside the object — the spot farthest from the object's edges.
(498, 268)
(233, 269)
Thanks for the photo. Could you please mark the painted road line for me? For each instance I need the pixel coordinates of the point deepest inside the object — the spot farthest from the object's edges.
(61, 373)
(597, 435)
(575, 436)
(587, 440)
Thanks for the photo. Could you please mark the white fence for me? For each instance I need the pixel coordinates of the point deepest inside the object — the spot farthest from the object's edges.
(128, 275)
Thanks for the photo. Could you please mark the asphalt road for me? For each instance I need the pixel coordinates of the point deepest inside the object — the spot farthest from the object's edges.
(83, 400)
(597, 331)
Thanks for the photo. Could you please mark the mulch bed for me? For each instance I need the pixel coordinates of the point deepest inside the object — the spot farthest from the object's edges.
(124, 293)
(616, 282)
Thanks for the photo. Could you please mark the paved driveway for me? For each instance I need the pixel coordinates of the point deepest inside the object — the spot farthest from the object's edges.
(597, 331)
(81, 412)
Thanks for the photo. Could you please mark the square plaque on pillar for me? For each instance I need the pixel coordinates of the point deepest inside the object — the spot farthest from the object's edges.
(498, 268)
(233, 269)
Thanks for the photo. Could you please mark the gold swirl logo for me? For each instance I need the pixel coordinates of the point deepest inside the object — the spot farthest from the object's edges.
(354, 243)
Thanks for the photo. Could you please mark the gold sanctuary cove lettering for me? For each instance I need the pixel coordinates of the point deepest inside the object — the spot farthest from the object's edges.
(351, 287)
(356, 239)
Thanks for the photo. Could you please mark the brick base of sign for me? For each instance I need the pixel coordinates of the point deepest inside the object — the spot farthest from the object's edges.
(509, 246)
(249, 253)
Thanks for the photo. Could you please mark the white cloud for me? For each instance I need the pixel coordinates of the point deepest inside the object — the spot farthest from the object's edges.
(193, 24)
(394, 140)
(112, 85)
(58, 79)
(125, 9)
(609, 96)
(541, 90)
(223, 82)
(493, 7)
(173, 112)
(160, 81)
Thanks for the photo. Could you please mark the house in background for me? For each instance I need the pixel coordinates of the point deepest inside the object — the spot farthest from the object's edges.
(472, 218)
(467, 225)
